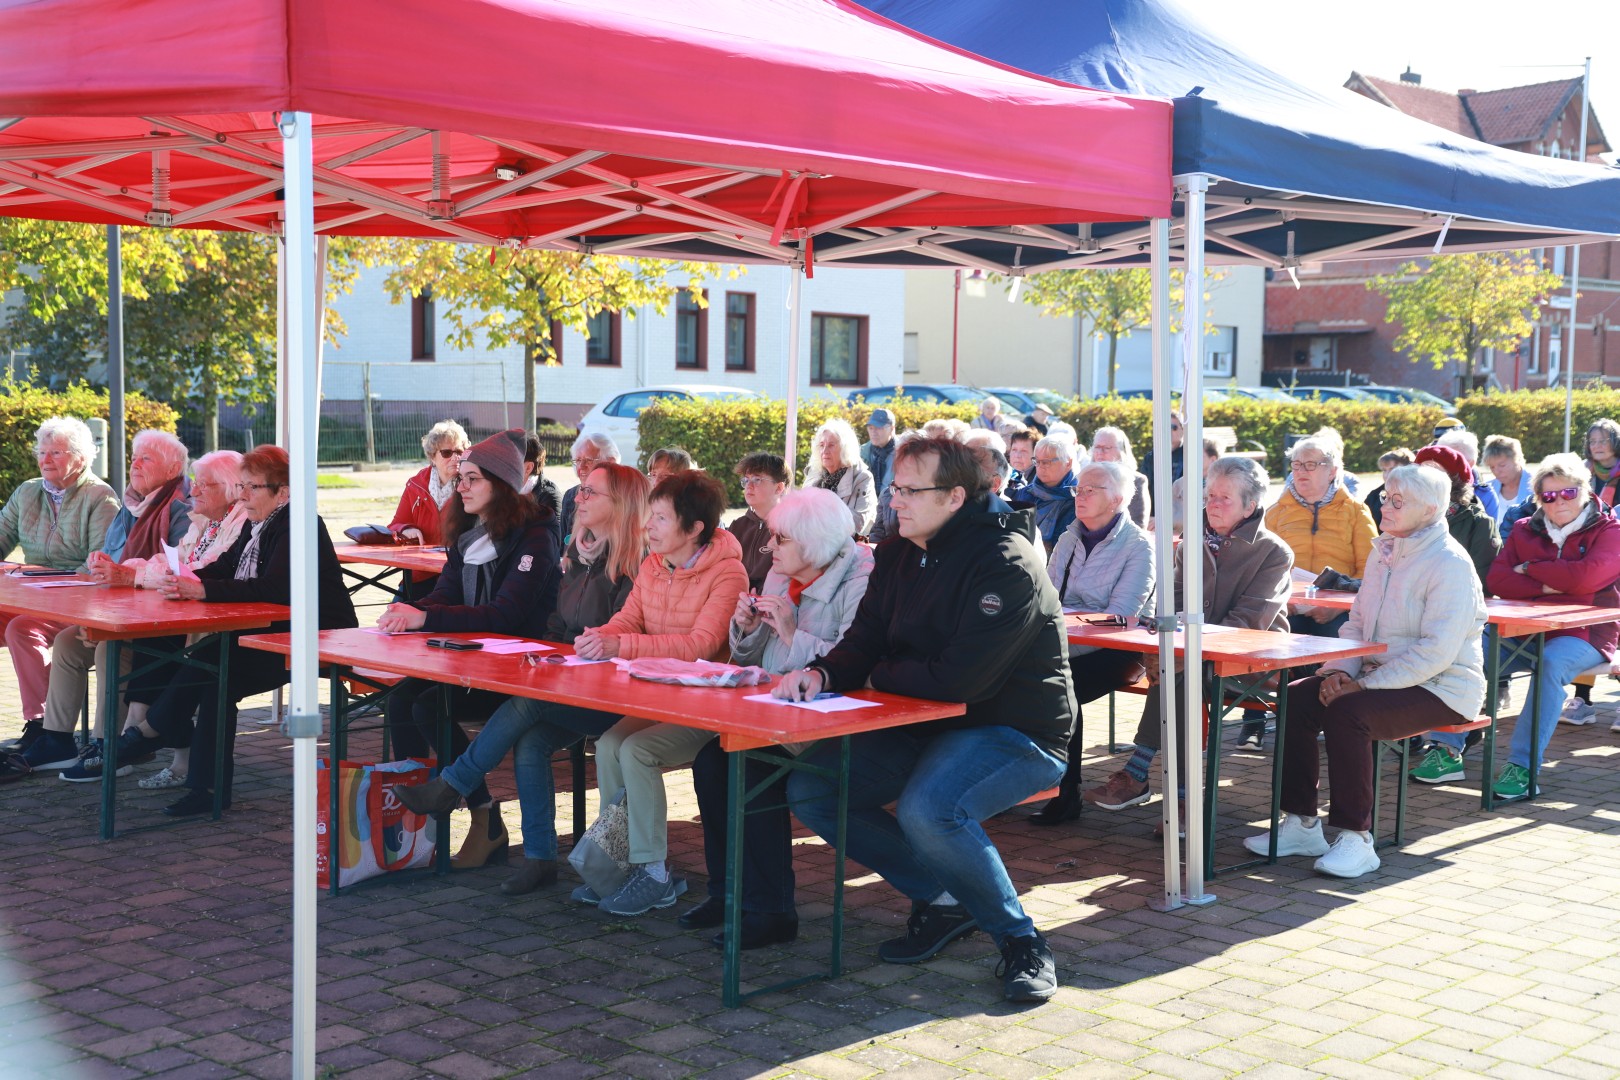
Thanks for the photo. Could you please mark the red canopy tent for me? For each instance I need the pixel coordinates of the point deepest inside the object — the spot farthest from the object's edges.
(753, 123)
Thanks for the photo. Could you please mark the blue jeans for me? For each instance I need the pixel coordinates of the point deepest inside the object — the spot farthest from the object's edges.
(945, 784)
(1562, 660)
(532, 730)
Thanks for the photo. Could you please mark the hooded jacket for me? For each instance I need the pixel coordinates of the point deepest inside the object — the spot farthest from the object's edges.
(417, 510)
(826, 608)
(1421, 599)
(1341, 535)
(1472, 526)
(60, 539)
(515, 593)
(586, 597)
(683, 613)
(973, 619)
(1583, 570)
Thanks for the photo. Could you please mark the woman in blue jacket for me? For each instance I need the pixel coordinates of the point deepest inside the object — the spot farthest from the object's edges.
(501, 577)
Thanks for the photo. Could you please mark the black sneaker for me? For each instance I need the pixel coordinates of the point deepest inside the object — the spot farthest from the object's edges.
(1253, 735)
(88, 768)
(135, 748)
(52, 750)
(930, 928)
(31, 731)
(1028, 971)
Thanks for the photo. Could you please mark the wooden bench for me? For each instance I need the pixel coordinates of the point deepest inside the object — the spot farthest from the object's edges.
(1226, 441)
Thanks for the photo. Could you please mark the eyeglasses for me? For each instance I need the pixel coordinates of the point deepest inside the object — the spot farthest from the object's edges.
(1048, 461)
(585, 493)
(898, 492)
(1569, 494)
(1088, 490)
(579, 461)
(246, 487)
(1302, 465)
(53, 453)
(447, 453)
(1397, 501)
(778, 539)
(467, 480)
(755, 481)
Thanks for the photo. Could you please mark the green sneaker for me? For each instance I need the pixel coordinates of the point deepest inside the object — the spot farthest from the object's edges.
(1440, 764)
(1512, 783)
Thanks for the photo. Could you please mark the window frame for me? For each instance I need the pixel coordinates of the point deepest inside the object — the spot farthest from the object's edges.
(862, 349)
(749, 324)
(699, 315)
(424, 324)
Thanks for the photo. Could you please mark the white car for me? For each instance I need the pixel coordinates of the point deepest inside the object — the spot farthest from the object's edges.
(616, 417)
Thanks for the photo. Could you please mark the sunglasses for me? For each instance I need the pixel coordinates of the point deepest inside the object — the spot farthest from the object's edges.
(1569, 494)
(447, 453)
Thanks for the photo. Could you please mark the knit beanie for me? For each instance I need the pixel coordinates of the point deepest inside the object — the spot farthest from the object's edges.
(501, 456)
(1454, 464)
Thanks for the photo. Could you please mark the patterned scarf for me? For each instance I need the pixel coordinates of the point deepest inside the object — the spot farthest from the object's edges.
(248, 567)
(831, 480)
(1314, 507)
(1049, 502)
(439, 491)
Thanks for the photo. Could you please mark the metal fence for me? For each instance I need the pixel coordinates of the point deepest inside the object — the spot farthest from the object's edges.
(379, 411)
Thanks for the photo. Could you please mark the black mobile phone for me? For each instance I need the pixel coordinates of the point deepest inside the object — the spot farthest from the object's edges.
(452, 643)
(46, 573)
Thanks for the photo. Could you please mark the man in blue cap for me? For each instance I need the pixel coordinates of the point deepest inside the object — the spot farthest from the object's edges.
(878, 454)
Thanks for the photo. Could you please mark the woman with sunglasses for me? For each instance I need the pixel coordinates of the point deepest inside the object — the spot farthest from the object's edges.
(1568, 549)
(818, 577)
(500, 576)
(608, 544)
(421, 506)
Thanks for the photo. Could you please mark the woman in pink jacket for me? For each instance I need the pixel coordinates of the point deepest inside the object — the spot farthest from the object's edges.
(1569, 549)
(680, 607)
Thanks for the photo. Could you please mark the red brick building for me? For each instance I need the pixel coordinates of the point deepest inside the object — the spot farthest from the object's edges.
(1333, 325)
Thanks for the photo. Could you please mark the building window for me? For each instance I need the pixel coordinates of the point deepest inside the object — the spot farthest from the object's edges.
(838, 349)
(691, 332)
(739, 331)
(602, 347)
(424, 332)
(1220, 352)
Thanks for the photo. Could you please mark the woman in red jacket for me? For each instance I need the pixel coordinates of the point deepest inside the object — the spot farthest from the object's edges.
(421, 505)
(1569, 549)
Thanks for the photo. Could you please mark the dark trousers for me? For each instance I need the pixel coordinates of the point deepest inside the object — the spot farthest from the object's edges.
(193, 693)
(1095, 674)
(144, 688)
(1349, 728)
(767, 871)
(412, 716)
(1304, 624)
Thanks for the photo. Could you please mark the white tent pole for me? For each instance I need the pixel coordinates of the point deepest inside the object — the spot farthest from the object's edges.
(279, 437)
(1575, 273)
(304, 716)
(320, 322)
(1164, 552)
(1192, 563)
(790, 455)
(115, 358)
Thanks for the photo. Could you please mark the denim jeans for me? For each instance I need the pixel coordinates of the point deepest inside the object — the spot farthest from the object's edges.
(945, 783)
(1561, 660)
(532, 730)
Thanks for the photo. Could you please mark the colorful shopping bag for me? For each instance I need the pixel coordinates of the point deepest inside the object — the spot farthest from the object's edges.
(375, 833)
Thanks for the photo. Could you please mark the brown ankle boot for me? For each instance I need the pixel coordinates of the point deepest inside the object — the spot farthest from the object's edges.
(486, 840)
(530, 876)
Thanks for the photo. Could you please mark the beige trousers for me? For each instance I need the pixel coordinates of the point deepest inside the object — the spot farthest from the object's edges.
(631, 757)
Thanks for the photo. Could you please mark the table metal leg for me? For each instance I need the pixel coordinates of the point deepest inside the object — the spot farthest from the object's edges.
(839, 847)
(1215, 709)
(442, 837)
(1278, 745)
(334, 778)
(1493, 679)
(1535, 718)
(222, 723)
(109, 740)
(736, 792)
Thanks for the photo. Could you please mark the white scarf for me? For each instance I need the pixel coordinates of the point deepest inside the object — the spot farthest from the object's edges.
(1582, 519)
(439, 491)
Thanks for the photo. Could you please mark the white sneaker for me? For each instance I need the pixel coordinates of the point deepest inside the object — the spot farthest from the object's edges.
(1295, 836)
(1351, 856)
(167, 778)
(1577, 712)
(1616, 725)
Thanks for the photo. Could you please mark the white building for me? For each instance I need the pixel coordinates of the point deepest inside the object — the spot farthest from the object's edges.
(850, 335)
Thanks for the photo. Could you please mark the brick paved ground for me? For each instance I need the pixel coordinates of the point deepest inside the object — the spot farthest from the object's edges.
(1487, 947)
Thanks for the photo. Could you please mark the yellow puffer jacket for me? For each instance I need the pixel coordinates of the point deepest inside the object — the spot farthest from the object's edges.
(1342, 539)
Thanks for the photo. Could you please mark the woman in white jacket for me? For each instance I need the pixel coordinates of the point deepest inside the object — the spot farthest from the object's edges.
(836, 465)
(1421, 598)
(818, 577)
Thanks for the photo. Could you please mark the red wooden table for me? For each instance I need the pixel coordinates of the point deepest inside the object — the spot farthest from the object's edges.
(390, 557)
(1508, 620)
(1249, 656)
(118, 613)
(741, 725)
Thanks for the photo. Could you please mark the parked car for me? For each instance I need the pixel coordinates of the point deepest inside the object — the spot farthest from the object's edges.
(1331, 393)
(1263, 393)
(616, 416)
(944, 393)
(1211, 393)
(1025, 398)
(1411, 396)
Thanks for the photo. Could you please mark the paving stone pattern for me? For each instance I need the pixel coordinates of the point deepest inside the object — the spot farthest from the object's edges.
(1487, 947)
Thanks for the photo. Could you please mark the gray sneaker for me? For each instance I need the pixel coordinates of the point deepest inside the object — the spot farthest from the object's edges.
(641, 892)
(584, 894)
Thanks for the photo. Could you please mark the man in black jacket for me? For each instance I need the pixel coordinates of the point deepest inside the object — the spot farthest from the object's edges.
(958, 609)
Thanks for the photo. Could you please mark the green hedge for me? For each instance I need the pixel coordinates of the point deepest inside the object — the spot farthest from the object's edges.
(1536, 417)
(718, 434)
(24, 408)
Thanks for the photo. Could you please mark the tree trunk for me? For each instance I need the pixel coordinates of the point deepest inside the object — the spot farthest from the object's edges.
(530, 358)
(210, 415)
(1113, 351)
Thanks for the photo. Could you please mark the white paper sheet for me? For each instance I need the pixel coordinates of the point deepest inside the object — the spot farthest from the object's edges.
(823, 704)
(172, 553)
(496, 646)
(61, 583)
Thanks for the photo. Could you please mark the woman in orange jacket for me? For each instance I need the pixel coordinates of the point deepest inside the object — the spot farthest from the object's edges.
(1323, 524)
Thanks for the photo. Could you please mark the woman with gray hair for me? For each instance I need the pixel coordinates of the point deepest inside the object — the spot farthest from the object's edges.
(818, 577)
(1568, 549)
(835, 464)
(1102, 564)
(418, 516)
(1112, 444)
(59, 518)
(1246, 584)
(1323, 523)
(1421, 599)
(1052, 488)
(156, 503)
